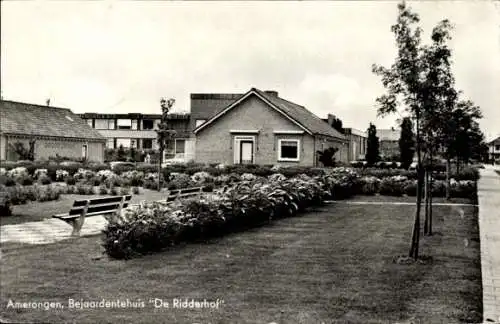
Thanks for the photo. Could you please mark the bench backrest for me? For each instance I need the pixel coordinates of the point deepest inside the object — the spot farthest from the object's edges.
(99, 206)
(184, 193)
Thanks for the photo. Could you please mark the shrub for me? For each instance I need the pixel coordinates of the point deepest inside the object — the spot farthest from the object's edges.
(84, 189)
(70, 181)
(124, 191)
(18, 172)
(103, 190)
(113, 191)
(369, 185)
(61, 175)
(150, 184)
(40, 173)
(7, 181)
(25, 180)
(151, 227)
(44, 180)
(410, 188)
(179, 181)
(135, 190)
(393, 186)
(71, 189)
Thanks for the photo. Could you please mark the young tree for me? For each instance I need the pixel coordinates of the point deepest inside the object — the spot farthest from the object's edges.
(372, 146)
(164, 134)
(406, 143)
(121, 154)
(403, 82)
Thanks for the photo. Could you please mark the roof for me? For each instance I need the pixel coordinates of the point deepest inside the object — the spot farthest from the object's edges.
(388, 134)
(496, 141)
(171, 115)
(29, 119)
(302, 117)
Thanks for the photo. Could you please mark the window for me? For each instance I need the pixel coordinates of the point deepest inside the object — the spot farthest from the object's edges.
(101, 124)
(147, 143)
(199, 122)
(125, 142)
(497, 147)
(133, 143)
(111, 124)
(147, 124)
(180, 146)
(110, 143)
(89, 121)
(288, 150)
(134, 124)
(84, 151)
(124, 123)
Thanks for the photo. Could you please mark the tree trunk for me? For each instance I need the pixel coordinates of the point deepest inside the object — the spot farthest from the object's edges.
(448, 171)
(415, 236)
(430, 204)
(415, 240)
(160, 162)
(426, 201)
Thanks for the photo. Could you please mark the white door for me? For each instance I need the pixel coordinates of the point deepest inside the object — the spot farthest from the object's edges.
(246, 152)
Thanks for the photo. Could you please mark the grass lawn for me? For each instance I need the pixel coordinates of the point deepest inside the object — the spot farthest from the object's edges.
(334, 264)
(36, 211)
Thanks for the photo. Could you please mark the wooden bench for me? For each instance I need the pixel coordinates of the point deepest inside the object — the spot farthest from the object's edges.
(176, 194)
(92, 207)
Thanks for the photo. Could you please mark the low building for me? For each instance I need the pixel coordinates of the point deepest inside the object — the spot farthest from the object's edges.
(139, 131)
(56, 131)
(388, 143)
(259, 127)
(357, 143)
(494, 150)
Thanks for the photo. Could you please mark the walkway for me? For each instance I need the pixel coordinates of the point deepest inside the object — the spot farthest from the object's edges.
(489, 228)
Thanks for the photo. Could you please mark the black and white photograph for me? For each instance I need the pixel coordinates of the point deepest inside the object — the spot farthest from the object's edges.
(267, 162)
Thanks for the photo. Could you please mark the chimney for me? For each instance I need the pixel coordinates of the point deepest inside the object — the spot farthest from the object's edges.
(272, 93)
(47, 102)
(330, 119)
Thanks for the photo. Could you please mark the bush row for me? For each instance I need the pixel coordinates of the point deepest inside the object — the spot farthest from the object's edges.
(154, 226)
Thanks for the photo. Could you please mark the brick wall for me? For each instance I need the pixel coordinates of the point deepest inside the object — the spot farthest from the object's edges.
(214, 144)
(388, 148)
(45, 148)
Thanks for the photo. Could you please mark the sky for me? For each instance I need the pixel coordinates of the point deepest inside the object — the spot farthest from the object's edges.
(120, 57)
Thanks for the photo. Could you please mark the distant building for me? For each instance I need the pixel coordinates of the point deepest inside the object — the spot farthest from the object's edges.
(259, 127)
(494, 150)
(56, 131)
(139, 131)
(357, 143)
(388, 142)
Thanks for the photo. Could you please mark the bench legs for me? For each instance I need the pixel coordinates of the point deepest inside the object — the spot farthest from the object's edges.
(77, 224)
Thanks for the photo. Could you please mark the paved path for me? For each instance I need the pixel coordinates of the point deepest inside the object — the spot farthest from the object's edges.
(48, 231)
(489, 228)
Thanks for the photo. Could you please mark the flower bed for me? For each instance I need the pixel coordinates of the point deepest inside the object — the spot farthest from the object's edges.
(154, 226)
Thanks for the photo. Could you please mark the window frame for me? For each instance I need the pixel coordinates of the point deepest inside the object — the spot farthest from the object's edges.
(284, 159)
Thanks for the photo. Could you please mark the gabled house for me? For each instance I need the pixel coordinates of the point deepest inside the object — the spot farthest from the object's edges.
(259, 127)
(56, 131)
(494, 150)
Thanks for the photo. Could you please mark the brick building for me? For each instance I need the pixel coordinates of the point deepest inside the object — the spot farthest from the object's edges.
(138, 131)
(55, 131)
(388, 142)
(357, 143)
(259, 127)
